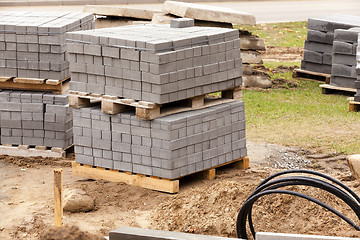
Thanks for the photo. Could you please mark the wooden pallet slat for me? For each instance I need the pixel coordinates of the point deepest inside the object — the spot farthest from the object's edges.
(353, 106)
(149, 182)
(35, 84)
(148, 110)
(300, 73)
(27, 151)
(329, 89)
(163, 185)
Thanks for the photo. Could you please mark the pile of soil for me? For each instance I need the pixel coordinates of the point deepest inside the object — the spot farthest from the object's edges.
(30, 162)
(69, 233)
(213, 211)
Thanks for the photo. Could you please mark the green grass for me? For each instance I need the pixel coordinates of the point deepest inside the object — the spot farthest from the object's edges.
(302, 117)
(290, 34)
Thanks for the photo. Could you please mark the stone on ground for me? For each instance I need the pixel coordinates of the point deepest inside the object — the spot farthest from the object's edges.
(354, 165)
(76, 200)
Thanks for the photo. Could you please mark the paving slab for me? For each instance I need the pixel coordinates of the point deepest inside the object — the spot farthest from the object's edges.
(120, 11)
(132, 233)
(208, 13)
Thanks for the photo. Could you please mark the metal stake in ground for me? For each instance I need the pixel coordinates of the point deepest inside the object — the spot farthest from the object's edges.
(58, 197)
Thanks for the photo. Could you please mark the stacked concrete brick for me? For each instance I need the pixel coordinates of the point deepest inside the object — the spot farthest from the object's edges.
(343, 73)
(357, 82)
(168, 147)
(319, 44)
(35, 118)
(160, 64)
(155, 63)
(32, 44)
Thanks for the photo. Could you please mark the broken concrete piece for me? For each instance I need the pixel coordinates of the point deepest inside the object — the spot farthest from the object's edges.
(252, 43)
(76, 200)
(208, 13)
(252, 57)
(127, 233)
(256, 81)
(247, 69)
(117, 11)
(162, 18)
(354, 165)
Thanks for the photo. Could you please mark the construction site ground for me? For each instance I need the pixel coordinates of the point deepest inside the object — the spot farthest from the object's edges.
(207, 207)
(202, 206)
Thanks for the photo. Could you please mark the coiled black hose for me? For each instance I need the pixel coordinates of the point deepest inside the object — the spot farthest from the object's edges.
(270, 186)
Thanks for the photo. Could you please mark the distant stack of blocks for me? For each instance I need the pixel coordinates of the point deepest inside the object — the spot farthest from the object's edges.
(318, 55)
(357, 83)
(174, 64)
(343, 73)
(35, 118)
(33, 45)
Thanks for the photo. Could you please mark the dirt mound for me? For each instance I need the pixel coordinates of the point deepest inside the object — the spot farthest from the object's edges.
(283, 83)
(213, 211)
(30, 162)
(68, 233)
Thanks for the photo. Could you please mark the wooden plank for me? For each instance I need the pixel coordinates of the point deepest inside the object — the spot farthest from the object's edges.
(162, 185)
(29, 152)
(58, 197)
(328, 89)
(300, 73)
(148, 110)
(353, 106)
(29, 80)
(33, 84)
(243, 164)
(5, 79)
(208, 174)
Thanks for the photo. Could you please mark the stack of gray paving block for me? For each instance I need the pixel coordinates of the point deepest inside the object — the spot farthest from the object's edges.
(319, 44)
(357, 82)
(32, 44)
(176, 63)
(35, 119)
(155, 63)
(343, 73)
(170, 147)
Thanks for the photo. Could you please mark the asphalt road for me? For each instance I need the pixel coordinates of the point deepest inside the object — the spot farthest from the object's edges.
(264, 11)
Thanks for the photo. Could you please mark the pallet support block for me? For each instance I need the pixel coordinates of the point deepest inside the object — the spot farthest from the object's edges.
(329, 89)
(76, 102)
(108, 106)
(147, 114)
(236, 94)
(300, 73)
(354, 106)
(208, 174)
(158, 184)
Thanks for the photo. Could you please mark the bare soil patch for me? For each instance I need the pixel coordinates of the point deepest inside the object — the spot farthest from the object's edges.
(281, 54)
(202, 206)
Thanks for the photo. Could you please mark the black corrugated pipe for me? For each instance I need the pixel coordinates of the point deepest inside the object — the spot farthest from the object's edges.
(270, 186)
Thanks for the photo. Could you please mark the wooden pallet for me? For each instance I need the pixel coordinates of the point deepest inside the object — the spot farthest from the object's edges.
(33, 151)
(323, 77)
(329, 89)
(35, 84)
(149, 182)
(353, 106)
(148, 110)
